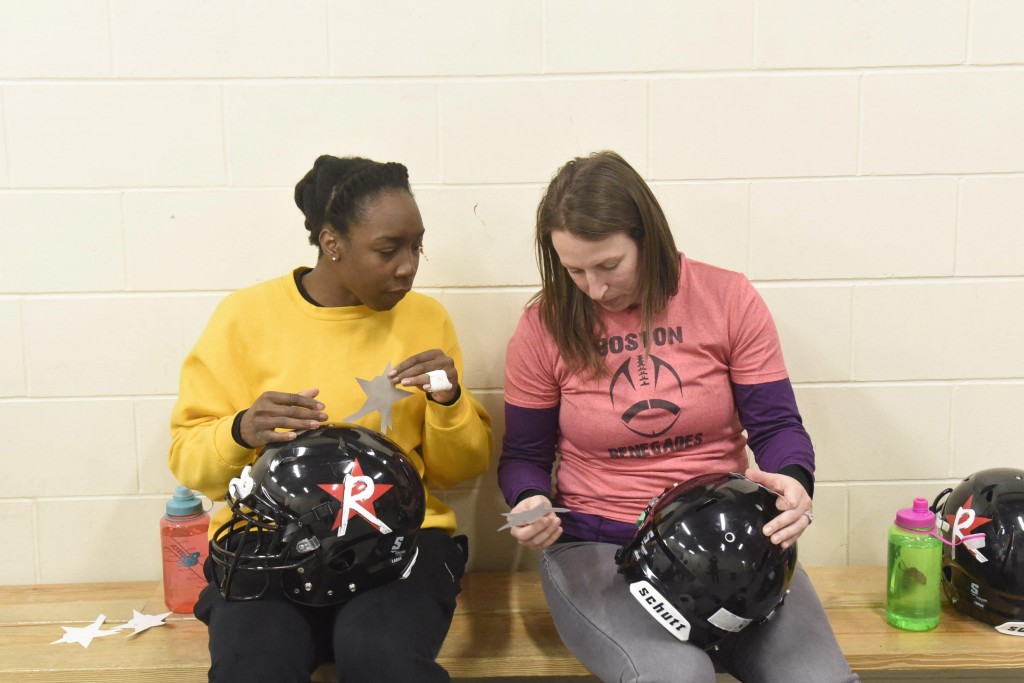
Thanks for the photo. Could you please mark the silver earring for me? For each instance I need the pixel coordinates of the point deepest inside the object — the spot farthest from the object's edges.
(334, 258)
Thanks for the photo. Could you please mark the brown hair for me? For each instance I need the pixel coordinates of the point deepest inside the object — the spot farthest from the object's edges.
(593, 198)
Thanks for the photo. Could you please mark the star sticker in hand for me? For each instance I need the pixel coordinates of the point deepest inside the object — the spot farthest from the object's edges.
(140, 622)
(527, 516)
(84, 635)
(381, 395)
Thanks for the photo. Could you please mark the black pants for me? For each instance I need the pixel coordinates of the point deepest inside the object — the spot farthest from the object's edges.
(390, 633)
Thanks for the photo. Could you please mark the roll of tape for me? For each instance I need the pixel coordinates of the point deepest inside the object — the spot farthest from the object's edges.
(438, 381)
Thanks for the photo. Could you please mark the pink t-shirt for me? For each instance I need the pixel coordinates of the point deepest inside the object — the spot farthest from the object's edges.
(651, 420)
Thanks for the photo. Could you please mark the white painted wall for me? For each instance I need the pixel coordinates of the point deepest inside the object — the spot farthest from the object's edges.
(862, 162)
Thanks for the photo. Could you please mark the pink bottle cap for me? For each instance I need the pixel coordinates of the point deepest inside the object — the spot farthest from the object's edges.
(917, 517)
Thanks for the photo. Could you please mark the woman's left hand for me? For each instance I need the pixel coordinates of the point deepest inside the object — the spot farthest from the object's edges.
(794, 503)
(412, 372)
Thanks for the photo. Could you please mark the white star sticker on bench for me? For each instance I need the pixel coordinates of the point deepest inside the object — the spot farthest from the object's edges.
(140, 622)
(84, 635)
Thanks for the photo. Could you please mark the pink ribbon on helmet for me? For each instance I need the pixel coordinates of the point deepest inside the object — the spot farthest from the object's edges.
(933, 532)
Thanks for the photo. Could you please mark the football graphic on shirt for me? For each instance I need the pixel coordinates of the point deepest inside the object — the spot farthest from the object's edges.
(646, 390)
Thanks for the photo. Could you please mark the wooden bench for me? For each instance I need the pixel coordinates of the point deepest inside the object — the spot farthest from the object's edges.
(501, 629)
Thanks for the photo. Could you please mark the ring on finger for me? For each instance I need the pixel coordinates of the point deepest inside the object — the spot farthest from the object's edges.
(810, 517)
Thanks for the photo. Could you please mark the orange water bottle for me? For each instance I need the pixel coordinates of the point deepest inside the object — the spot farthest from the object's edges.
(183, 541)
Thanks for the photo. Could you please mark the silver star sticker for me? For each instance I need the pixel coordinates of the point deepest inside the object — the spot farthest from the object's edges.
(381, 395)
(83, 636)
(527, 516)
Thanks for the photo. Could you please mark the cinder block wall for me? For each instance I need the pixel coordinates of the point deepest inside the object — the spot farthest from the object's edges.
(862, 162)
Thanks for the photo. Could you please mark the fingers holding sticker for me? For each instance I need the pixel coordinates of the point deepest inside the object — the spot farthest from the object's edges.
(533, 522)
(432, 371)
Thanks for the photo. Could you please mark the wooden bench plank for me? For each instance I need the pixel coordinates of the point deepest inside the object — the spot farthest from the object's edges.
(854, 599)
(172, 653)
(74, 602)
(502, 628)
(31, 617)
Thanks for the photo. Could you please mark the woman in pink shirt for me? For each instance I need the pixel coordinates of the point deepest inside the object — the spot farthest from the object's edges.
(638, 368)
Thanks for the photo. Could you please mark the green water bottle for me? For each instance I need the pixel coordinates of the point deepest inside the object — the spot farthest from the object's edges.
(913, 595)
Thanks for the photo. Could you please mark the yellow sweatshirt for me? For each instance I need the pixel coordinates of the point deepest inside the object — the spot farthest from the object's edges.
(269, 338)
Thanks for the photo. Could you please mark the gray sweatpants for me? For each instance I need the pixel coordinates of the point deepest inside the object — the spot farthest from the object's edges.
(608, 631)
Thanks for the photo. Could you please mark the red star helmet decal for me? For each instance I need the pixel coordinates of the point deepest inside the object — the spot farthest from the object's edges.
(964, 527)
(357, 495)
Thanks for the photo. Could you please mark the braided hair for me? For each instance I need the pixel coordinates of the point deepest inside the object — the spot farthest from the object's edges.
(336, 190)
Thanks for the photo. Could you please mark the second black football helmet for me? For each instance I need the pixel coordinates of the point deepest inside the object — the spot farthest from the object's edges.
(700, 564)
(982, 520)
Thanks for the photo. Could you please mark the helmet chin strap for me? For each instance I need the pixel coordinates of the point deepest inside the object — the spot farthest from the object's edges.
(308, 545)
(311, 542)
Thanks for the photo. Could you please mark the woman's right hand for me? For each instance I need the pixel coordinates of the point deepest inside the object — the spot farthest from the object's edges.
(541, 533)
(275, 410)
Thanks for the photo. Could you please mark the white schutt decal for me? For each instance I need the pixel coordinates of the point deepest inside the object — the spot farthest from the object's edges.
(1012, 628)
(660, 608)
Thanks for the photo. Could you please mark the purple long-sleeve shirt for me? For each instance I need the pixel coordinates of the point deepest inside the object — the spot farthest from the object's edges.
(768, 413)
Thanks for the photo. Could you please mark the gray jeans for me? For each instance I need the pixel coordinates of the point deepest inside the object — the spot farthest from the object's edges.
(602, 624)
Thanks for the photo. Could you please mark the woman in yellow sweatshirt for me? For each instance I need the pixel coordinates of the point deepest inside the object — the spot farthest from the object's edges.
(308, 348)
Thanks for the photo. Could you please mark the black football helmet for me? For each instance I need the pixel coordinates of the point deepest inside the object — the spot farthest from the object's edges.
(982, 520)
(328, 515)
(699, 562)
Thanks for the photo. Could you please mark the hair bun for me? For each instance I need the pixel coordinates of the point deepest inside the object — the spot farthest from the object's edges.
(332, 191)
(313, 192)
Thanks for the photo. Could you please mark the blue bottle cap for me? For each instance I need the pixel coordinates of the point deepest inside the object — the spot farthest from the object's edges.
(184, 503)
